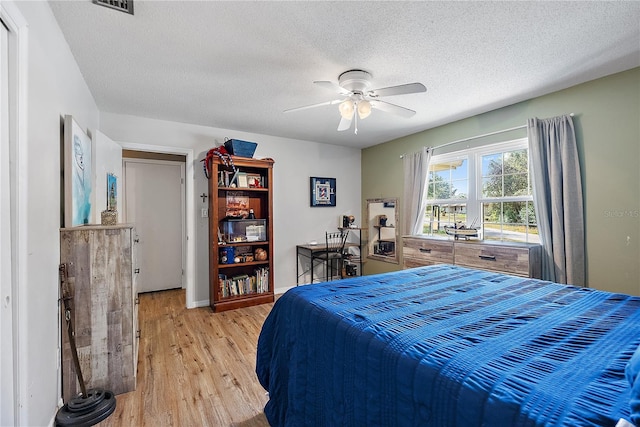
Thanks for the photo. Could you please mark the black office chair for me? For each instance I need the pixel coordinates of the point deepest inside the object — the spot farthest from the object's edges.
(334, 256)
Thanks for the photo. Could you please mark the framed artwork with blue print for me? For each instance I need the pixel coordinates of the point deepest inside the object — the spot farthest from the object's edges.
(323, 191)
(78, 177)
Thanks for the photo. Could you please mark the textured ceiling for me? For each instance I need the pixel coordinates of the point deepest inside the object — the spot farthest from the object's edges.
(239, 65)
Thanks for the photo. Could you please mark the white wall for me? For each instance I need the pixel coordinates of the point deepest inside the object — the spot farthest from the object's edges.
(107, 158)
(55, 88)
(295, 162)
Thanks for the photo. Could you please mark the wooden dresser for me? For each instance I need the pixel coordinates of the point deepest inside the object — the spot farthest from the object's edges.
(101, 269)
(520, 259)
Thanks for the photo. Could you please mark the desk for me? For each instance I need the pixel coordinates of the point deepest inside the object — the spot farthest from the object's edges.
(311, 252)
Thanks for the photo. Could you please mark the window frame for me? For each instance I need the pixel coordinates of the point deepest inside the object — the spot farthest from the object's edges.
(475, 199)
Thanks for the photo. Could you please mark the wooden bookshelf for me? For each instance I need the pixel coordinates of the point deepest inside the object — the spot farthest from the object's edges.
(238, 276)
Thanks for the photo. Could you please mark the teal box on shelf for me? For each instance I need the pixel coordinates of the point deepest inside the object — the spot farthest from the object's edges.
(238, 147)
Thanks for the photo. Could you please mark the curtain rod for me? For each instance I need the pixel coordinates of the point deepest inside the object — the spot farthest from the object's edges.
(479, 136)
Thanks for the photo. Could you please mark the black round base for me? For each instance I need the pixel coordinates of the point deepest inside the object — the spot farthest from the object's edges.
(87, 411)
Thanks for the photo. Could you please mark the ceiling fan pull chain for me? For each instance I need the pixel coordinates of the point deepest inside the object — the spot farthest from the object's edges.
(355, 117)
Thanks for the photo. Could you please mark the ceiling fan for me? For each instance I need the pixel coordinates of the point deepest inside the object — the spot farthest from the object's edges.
(358, 97)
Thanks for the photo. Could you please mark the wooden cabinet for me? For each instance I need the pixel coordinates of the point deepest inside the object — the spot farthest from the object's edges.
(240, 248)
(521, 259)
(418, 252)
(101, 269)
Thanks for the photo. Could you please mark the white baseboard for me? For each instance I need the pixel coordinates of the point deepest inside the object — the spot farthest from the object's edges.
(201, 303)
(52, 422)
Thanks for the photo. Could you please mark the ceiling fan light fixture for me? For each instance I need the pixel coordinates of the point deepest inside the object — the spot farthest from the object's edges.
(346, 109)
(354, 88)
(364, 109)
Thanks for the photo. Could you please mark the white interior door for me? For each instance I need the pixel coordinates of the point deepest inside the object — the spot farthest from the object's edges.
(154, 202)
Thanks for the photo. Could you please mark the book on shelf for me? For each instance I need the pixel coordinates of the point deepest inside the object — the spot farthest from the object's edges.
(262, 280)
(243, 284)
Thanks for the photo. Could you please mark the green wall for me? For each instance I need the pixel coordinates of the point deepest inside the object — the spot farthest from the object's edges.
(607, 122)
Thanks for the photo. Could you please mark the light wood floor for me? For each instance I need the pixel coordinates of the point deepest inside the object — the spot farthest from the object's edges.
(195, 367)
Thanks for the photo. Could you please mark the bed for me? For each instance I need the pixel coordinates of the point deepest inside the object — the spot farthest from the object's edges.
(450, 346)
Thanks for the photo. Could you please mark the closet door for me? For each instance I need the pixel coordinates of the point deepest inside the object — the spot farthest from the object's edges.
(154, 199)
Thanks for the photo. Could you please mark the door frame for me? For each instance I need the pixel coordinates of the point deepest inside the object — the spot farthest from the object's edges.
(18, 75)
(183, 240)
(189, 212)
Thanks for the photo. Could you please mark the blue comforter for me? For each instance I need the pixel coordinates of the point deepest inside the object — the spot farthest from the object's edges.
(447, 346)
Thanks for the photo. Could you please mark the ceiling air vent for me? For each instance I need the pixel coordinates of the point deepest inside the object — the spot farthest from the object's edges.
(121, 5)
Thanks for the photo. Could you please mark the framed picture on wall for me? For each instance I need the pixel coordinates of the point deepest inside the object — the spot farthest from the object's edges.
(78, 176)
(323, 191)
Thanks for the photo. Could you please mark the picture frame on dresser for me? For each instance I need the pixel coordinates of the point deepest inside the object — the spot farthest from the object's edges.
(112, 192)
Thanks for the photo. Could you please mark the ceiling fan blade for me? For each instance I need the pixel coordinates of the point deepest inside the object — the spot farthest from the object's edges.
(392, 108)
(321, 104)
(344, 123)
(334, 87)
(399, 90)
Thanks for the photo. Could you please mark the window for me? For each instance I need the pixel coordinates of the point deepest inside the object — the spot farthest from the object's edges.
(488, 188)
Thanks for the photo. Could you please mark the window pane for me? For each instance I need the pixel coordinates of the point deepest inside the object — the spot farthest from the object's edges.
(456, 213)
(439, 215)
(459, 169)
(516, 162)
(492, 212)
(516, 184)
(428, 218)
(442, 175)
(492, 186)
(510, 221)
(448, 180)
(492, 164)
(439, 188)
(492, 221)
(506, 174)
(460, 189)
(511, 212)
(529, 216)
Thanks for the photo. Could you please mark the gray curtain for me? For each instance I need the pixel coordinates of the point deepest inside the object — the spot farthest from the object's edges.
(415, 167)
(557, 189)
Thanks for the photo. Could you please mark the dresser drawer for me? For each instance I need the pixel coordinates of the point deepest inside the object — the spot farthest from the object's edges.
(417, 252)
(505, 259)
